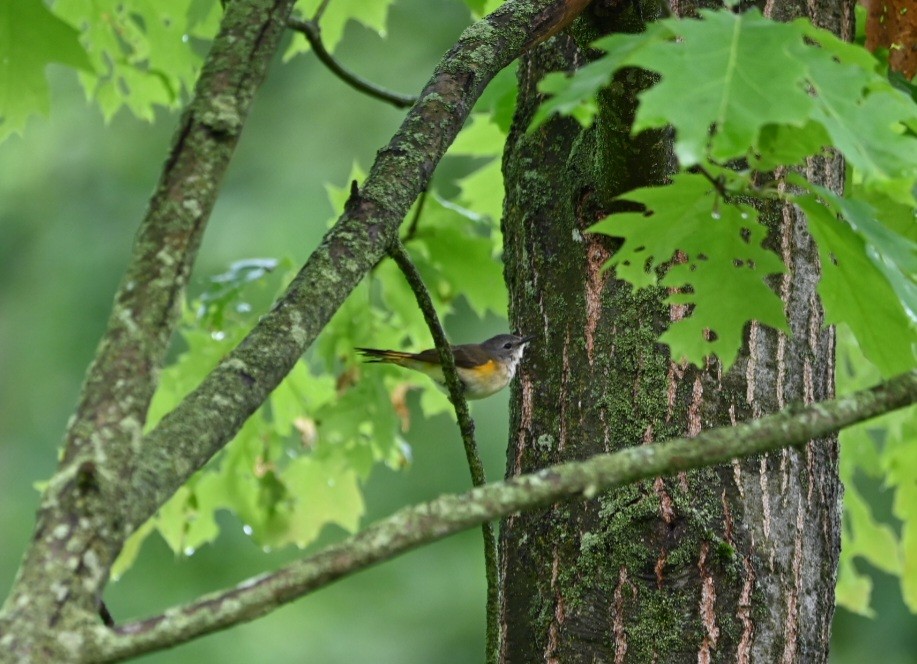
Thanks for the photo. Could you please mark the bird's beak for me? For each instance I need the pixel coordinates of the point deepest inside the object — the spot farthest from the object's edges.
(527, 338)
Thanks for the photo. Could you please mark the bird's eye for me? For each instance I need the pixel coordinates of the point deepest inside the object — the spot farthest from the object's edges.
(507, 345)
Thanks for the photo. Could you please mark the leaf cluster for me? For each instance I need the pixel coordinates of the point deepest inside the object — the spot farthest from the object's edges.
(741, 89)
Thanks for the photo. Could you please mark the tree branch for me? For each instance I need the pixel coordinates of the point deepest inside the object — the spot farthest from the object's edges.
(186, 438)
(466, 427)
(83, 501)
(414, 526)
(453, 382)
(311, 31)
(123, 375)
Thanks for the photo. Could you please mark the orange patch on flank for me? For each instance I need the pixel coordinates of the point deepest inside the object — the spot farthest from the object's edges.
(485, 369)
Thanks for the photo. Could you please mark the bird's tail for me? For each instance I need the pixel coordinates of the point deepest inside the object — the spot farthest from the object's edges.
(390, 356)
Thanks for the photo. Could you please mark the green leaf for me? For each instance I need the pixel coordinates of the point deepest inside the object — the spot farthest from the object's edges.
(436, 402)
(859, 443)
(855, 291)
(719, 76)
(131, 549)
(361, 425)
(458, 260)
(720, 269)
(741, 86)
(139, 49)
(853, 590)
(499, 98)
(31, 38)
(482, 192)
(476, 6)
(874, 542)
(204, 351)
(901, 468)
(224, 290)
(299, 395)
(868, 127)
(404, 316)
(896, 216)
(186, 522)
(353, 324)
(893, 254)
(788, 145)
(884, 447)
(479, 138)
(492, 5)
(321, 492)
(573, 95)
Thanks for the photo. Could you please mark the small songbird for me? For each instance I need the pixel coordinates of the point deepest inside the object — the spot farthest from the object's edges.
(484, 368)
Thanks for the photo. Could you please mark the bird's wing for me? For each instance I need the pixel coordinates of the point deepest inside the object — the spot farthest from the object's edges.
(469, 356)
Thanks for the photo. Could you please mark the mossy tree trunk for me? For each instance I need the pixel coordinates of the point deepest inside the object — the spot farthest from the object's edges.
(734, 563)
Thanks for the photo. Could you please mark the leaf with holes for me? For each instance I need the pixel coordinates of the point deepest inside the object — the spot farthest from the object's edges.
(708, 254)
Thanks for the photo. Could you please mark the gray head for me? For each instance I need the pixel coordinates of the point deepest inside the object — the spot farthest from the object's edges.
(508, 347)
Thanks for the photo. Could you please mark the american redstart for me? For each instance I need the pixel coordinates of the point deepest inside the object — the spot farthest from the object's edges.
(484, 368)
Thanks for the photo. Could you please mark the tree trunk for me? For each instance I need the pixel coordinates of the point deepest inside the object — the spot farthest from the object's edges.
(734, 563)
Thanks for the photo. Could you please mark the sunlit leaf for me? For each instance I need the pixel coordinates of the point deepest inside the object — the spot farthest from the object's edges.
(31, 38)
(140, 51)
(853, 590)
(717, 72)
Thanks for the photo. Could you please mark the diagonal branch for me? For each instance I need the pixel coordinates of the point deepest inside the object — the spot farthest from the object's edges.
(466, 427)
(415, 526)
(311, 31)
(212, 413)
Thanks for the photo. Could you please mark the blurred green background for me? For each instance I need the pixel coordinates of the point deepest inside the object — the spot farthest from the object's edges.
(72, 192)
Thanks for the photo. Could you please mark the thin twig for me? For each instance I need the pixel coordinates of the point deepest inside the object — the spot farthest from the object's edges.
(311, 31)
(466, 426)
(422, 524)
(317, 16)
(453, 382)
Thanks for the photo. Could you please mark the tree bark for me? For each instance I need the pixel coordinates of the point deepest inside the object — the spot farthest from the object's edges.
(733, 563)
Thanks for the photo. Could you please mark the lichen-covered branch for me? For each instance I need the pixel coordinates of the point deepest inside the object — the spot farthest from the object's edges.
(210, 415)
(466, 427)
(79, 528)
(421, 524)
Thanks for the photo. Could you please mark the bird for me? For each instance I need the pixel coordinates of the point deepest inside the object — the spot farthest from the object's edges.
(484, 368)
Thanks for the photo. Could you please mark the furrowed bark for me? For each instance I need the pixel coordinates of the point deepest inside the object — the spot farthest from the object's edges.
(734, 563)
